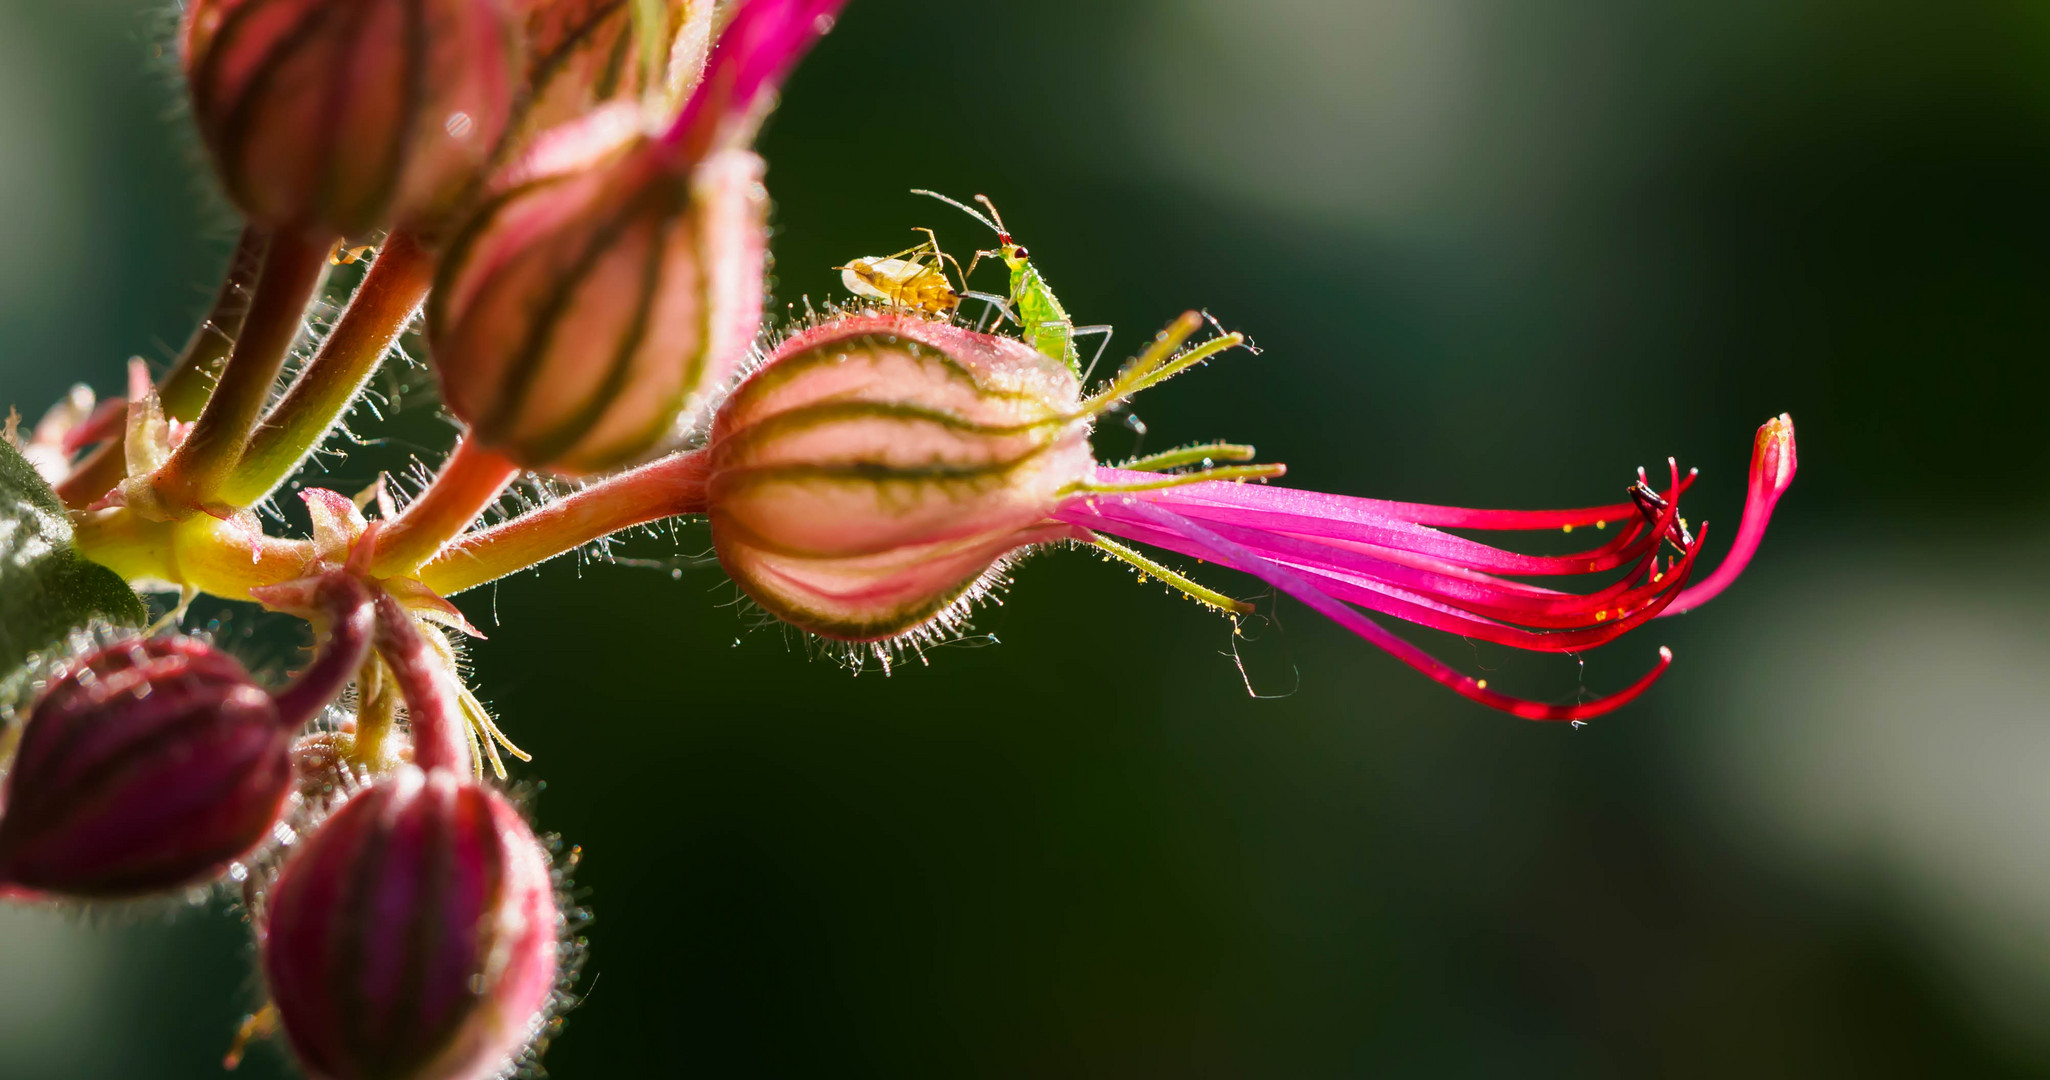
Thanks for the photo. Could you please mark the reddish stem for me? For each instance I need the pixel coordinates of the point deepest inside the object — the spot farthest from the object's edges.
(350, 622)
(469, 483)
(292, 271)
(660, 489)
(191, 379)
(377, 315)
(432, 708)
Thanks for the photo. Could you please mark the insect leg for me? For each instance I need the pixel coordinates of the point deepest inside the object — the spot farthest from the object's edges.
(1001, 304)
(1100, 346)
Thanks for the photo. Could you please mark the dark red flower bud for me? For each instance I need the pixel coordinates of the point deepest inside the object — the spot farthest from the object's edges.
(149, 765)
(348, 116)
(156, 762)
(413, 936)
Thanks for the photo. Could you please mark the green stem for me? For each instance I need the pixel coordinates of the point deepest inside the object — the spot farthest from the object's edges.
(660, 489)
(377, 315)
(292, 271)
(185, 388)
(191, 378)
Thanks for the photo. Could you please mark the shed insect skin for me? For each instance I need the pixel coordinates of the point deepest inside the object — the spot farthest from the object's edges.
(914, 279)
(1031, 303)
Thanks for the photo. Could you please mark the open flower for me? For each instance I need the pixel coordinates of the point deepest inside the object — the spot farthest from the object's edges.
(869, 481)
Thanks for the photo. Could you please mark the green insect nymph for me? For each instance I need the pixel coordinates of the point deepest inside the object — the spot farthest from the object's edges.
(1031, 304)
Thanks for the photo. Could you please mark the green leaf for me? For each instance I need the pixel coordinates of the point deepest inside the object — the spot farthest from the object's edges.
(47, 589)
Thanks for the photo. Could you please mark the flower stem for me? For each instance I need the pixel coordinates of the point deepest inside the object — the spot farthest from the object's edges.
(350, 622)
(440, 732)
(660, 489)
(469, 482)
(377, 709)
(384, 304)
(292, 270)
(191, 379)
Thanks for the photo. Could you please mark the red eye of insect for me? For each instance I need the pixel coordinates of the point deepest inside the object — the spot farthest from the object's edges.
(1020, 252)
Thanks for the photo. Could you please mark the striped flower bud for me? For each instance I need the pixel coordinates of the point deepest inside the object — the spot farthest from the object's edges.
(149, 765)
(349, 116)
(413, 936)
(582, 54)
(583, 312)
(612, 285)
(876, 469)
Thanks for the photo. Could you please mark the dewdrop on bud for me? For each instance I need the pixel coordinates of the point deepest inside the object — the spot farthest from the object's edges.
(413, 935)
(349, 116)
(611, 285)
(149, 765)
(872, 473)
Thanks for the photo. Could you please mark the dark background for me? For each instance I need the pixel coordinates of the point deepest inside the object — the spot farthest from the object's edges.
(1497, 252)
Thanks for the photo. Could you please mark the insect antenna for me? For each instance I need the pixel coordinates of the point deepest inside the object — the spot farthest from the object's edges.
(969, 210)
(1003, 234)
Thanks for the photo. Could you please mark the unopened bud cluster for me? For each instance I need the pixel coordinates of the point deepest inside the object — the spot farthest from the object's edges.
(572, 199)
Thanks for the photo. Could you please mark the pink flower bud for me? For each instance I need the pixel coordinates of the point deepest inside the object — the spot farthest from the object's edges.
(413, 936)
(349, 116)
(583, 312)
(149, 765)
(584, 53)
(875, 469)
(611, 287)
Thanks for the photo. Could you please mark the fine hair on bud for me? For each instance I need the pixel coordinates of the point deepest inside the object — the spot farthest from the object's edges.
(585, 314)
(415, 935)
(148, 765)
(877, 469)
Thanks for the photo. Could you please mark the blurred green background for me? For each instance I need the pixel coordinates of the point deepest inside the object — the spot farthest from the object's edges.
(1497, 252)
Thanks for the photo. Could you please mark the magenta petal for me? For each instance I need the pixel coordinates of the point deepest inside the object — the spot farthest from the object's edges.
(1773, 462)
(1352, 508)
(1362, 521)
(754, 53)
(1219, 549)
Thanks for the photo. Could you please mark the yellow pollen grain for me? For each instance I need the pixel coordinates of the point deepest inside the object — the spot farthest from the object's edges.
(1601, 616)
(1481, 683)
(1569, 528)
(1656, 578)
(1599, 524)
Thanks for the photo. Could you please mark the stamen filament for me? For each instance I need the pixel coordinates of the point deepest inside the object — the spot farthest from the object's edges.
(1190, 455)
(1151, 368)
(1189, 588)
(1223, 472)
